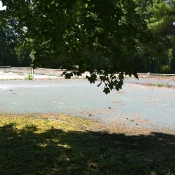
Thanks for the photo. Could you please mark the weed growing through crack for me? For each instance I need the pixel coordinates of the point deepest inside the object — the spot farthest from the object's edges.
(29, 77)
(159, 85)
(168, 85)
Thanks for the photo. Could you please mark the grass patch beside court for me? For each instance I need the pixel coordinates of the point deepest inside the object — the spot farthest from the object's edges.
(65, 145)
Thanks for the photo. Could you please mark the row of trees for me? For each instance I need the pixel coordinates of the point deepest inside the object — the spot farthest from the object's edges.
(100, 36)
(160, 18)
(10, 53)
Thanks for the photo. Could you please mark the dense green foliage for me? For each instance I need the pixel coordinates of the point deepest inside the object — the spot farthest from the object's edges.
(10, 54)
(103, 37)
(160, 17)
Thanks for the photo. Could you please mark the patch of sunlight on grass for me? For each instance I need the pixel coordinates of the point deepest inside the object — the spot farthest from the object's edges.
(64, 146)
(47, 122)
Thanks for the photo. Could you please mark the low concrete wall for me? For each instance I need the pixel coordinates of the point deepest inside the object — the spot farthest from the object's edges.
(44, 71)
(58, 72)
(29, 70)
(154, 74)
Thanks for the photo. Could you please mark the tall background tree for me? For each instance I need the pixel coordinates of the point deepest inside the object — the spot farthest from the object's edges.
(159, 56)
(10, 53)
(161, 24)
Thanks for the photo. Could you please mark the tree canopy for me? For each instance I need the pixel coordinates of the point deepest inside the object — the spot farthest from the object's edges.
(103, 37)
(161, 24)
(10, 53)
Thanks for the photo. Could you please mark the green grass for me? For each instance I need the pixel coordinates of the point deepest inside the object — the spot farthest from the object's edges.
(168, 85)
(63, 145)
(159, 85)
(29, 77)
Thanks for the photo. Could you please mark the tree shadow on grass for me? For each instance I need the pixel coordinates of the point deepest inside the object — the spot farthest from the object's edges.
(25, 152)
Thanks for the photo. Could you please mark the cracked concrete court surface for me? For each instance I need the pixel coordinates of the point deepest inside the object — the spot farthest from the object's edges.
(133, 106)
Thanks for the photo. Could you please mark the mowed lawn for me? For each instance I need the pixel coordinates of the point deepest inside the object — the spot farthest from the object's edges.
(67, 145)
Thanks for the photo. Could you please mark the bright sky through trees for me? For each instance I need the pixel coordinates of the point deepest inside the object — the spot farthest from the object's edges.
(1, 6)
